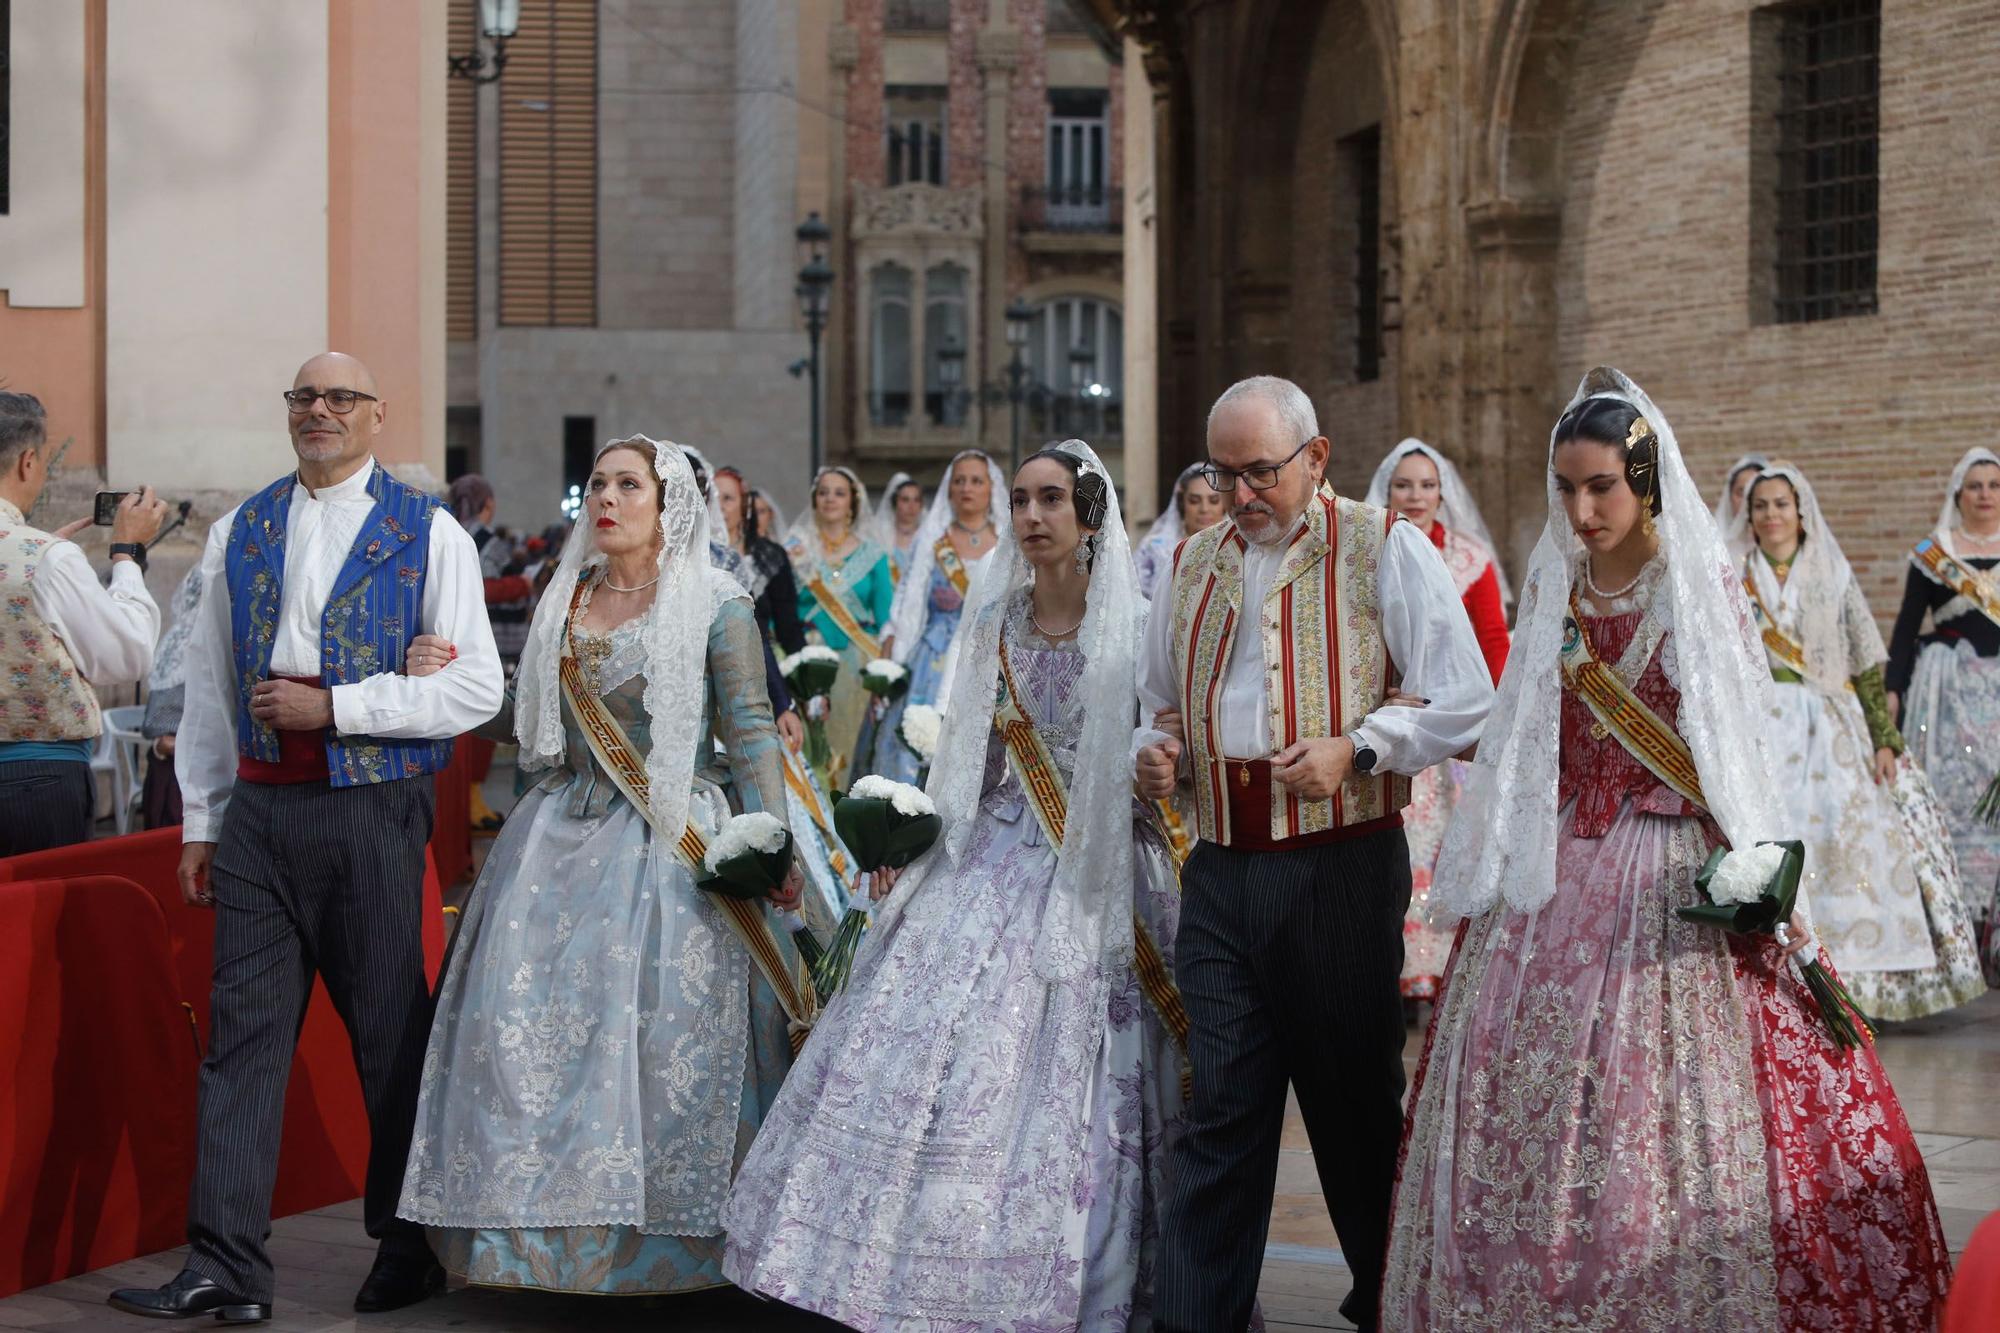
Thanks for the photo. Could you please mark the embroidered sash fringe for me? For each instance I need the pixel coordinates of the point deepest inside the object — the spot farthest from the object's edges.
(1043, 782)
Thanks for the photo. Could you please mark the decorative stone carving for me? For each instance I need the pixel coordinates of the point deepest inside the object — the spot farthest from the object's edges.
(918, 210)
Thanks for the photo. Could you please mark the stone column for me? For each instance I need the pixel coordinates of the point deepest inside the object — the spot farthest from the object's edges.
(1141, 370)
(998, 53)
(1511, 367)
(840, 403)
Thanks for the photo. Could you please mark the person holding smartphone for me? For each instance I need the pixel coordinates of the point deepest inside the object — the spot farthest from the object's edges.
(63, 633)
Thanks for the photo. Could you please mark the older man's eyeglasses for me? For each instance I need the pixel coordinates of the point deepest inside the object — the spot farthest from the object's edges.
(1262, 477)
(338, 401)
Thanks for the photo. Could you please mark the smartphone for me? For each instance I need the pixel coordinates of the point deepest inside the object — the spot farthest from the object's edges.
(107, 507)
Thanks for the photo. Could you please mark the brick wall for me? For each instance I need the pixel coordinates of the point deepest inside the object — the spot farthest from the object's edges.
(965, 108)
(1656, 276)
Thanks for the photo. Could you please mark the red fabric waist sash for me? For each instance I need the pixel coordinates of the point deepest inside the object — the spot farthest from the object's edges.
(301, 754)
(1246, 784)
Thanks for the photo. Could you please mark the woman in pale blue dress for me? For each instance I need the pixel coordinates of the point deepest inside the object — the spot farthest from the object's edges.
(605, 1047)
(975, 1133)
(953, 541)
(897, 518)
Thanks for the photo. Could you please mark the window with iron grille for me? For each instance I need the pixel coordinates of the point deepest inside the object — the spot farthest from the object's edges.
(1828, 60)
(6, 96)
(1361, 164)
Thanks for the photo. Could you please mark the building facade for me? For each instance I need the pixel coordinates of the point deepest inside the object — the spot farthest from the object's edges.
(1778, 218)
(622, 204)
(194, 198)
(978, 164)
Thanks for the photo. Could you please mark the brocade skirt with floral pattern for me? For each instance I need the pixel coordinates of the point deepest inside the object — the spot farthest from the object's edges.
(1623, 1121)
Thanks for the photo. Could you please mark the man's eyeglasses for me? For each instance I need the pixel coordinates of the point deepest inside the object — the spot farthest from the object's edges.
(338, 401)
(1259, 478)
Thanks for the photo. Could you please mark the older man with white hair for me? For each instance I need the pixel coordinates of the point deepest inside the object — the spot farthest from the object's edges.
(1306, 656)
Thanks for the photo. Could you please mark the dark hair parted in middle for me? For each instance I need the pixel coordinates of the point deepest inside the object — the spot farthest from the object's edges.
(1093, 492)
(1609, 421)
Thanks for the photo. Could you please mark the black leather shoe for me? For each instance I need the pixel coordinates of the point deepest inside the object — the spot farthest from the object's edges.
(187, 1296)
(398, 1280)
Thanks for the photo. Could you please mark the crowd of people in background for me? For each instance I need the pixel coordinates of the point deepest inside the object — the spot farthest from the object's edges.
(1151, 759)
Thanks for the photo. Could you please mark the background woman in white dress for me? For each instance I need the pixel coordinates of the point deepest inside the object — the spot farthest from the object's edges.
(1883, 882)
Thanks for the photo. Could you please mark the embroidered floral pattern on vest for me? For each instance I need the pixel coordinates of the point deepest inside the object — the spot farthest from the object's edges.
(373, 613)
(43, 697)
(1326, 664)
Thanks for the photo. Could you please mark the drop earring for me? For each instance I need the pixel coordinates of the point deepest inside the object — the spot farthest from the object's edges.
(1084, 553)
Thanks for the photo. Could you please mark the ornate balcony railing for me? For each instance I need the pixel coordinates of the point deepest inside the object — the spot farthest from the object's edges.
(1072, 208)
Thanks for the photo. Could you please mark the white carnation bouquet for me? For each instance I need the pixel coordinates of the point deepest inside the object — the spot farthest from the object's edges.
(811, 672)
(886, 679)
(886, 825)
(1751, 891)
(748, 857)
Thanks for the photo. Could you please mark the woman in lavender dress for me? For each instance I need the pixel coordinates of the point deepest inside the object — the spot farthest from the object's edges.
(974, 1135)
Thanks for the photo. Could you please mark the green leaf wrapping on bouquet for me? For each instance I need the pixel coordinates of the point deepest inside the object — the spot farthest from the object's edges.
(1753, 918)
(813, 677)
(1988, 808)
(881, 836)
(830, 972)
(750, 873)
(1762, 917)
(890, 689)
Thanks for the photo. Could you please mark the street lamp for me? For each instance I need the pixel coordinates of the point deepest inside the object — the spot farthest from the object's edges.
(951, 378)
(499, 20)
(815, 284)
(1020, 318)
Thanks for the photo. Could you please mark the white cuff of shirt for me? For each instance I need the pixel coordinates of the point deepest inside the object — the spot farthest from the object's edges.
(350, 711)
(199, 828)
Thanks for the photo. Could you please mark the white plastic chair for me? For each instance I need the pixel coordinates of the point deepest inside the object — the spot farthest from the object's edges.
(128, 750)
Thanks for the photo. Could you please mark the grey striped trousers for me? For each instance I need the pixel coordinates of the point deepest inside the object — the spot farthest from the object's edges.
(1288, 964)
(309, 878)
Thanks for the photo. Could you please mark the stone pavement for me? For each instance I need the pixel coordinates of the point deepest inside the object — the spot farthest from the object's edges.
(1945, 1069)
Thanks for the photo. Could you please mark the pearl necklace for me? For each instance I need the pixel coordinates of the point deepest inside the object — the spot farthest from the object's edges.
(641, 588)
(1590, 584)
(1045, 631)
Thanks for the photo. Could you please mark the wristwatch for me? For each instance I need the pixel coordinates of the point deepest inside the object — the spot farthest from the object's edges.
(134, 549)
(1364, 755)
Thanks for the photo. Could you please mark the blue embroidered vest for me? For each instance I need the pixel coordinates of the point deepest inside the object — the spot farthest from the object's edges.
(371, 615)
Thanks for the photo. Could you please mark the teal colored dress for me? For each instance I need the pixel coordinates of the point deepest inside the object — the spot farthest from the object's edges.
(864, 581)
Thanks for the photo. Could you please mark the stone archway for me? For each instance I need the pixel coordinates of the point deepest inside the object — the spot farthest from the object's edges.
(1514, 227)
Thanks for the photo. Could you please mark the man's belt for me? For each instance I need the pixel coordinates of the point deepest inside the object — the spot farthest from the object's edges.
(1246, 789)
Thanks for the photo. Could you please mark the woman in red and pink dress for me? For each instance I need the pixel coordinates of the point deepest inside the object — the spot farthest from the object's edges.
(1421, 484)
(1623, 1120)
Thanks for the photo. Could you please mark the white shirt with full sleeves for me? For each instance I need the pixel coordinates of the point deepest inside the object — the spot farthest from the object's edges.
(109, 632)
(1424, 626)
(318, 535)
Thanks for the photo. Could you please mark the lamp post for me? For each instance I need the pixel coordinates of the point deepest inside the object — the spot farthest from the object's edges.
(815, 284)
(1020, 317)
(951, 379)
(499, 20)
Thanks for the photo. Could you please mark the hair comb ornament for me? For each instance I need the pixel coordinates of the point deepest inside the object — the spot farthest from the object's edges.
(1642, 430)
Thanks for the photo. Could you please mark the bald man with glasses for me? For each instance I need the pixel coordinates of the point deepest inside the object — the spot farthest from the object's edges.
(305, 760)
(1304, 658)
